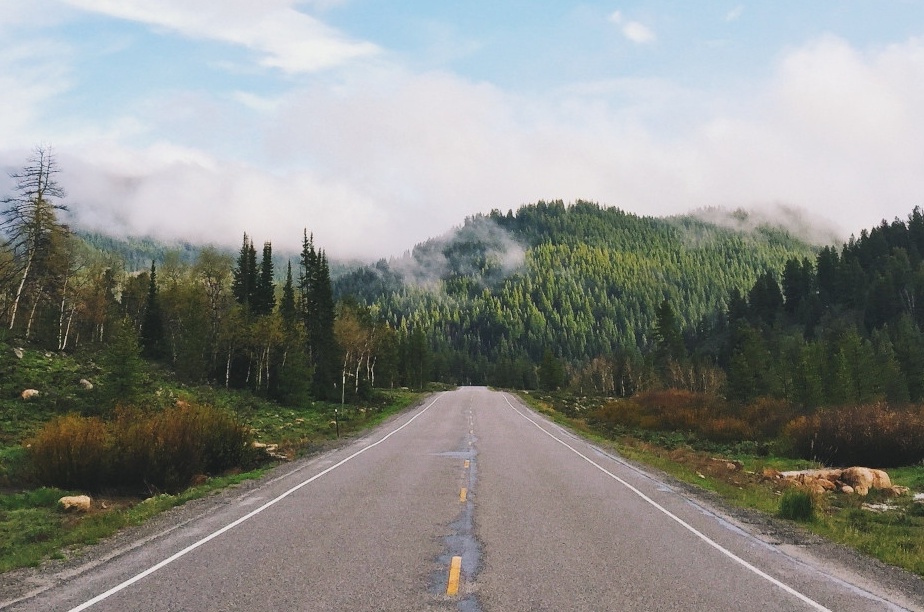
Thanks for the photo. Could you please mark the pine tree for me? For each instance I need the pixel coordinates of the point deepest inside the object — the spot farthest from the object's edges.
(317, 310)
(264, 295)
(29, 227)
(152, 325)
(244, 283)
(287, 306)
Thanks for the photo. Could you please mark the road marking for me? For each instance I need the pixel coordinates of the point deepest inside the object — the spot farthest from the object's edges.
(455, 568)
(814, 604)
(246, 517)
(462, 495)
(466, 464)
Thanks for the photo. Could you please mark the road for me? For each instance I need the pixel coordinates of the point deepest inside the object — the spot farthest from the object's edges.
(469, 502)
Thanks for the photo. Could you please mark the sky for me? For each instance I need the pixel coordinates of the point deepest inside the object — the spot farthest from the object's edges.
(376, 125)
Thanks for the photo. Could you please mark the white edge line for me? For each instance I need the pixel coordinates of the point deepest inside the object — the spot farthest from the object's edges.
(234, 524)
(677, 519)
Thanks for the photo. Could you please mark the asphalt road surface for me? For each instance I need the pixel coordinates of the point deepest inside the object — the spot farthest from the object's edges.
(469, 502)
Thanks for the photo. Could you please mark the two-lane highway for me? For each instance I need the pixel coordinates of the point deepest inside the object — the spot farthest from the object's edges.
(468, 502)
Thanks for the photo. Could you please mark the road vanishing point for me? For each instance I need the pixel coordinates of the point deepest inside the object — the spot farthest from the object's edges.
(470, 501)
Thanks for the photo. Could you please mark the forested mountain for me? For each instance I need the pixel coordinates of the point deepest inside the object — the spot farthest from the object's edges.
(841, 328)
(579, 281)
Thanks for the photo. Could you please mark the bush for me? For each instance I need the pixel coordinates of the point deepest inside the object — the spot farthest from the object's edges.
(874, 435)
(71, 452)
(797, 505)
(161, 450)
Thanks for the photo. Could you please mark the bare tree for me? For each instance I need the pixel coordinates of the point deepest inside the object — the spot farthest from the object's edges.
(29, 225)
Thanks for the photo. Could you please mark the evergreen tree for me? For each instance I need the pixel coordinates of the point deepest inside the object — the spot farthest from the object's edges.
(30, 232)
(244, 283)
(287, 306)
(551, 372)
(122, 359)
(317, 309)
(264, 298)
(152, 325)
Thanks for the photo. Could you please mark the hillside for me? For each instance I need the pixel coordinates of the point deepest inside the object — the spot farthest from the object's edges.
(579, 280)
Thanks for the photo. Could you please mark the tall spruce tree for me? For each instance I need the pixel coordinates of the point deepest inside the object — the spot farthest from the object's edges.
(244, 282)
(152, 325)
(264, 295)
(317, 310)
(287, 306)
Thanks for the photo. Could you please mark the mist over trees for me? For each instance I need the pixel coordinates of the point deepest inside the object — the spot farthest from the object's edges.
(551, 296)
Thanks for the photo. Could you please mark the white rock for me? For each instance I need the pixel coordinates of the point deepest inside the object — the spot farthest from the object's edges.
(28, 394)
(81, 503)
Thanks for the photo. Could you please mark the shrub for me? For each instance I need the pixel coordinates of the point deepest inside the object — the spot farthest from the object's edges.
(71, 452)
(161, 450)
(797, 505)
(874, 435)
(768, 416)
(726, 429)
(616, 413)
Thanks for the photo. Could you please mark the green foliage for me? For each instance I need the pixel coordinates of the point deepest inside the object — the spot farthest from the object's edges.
(125, 368)
(152, 324)
(581, 280)
(797, 505)
(551, 373)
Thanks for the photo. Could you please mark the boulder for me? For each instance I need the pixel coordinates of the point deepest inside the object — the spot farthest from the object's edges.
(771, 474)
(847, 490)
(18, 352)
(28, 394)
(881, 480)
(86, 384)
(860, 478)
(79, 503)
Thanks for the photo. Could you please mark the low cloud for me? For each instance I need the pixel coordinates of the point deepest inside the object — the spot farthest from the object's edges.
(378, 158)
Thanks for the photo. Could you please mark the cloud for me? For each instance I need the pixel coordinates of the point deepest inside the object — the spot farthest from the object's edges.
(374, 158)
(287, 39)
(32, 74)
(734, 14)
(633, 30)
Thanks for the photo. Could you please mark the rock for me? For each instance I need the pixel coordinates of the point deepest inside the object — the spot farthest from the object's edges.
(18, 352)
(28, 394)
(86, 384)
(878, 507)
(919, 498)
(881, 480)
(860, 478)
(847, 490)
(771, 474)
(80, 503)
(897, 491)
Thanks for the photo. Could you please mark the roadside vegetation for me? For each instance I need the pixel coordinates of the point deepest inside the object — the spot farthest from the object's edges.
(177, 443)
(741, 469)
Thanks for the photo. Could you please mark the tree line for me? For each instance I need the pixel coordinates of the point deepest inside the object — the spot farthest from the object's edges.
(211, 318)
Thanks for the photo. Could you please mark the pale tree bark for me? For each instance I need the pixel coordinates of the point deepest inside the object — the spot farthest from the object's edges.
(29, 220)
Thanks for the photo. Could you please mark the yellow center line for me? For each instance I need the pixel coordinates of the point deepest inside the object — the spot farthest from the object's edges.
(455, 568)
(462, 495)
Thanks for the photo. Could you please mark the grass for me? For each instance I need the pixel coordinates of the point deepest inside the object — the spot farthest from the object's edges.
(895, 536)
